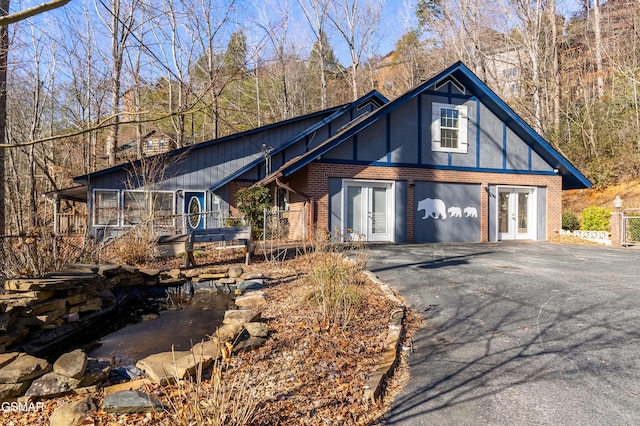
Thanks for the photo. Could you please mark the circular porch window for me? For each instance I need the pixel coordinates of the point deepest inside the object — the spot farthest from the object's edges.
(195, 209)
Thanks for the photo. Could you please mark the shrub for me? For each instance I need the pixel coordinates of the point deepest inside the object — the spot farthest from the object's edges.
(233, 222)
(252, 201)
(137, 246)
(570, 221)
(595, 218)
(336, 296)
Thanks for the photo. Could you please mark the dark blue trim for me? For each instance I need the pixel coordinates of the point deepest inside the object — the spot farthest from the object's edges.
(439, 167)
(477, 133)
(529, 159)
(449, 156)
(373, 96)
(201, 145)
(571, 177)
(504, 145)
(420, 129)
(449, 91)
(388, 136)
(333, 112)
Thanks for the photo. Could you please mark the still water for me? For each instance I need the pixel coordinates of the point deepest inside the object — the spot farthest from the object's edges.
(185, 323)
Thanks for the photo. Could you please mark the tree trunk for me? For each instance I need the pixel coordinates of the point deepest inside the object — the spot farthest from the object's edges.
(4, 48)
(598, 48)
(556, 65)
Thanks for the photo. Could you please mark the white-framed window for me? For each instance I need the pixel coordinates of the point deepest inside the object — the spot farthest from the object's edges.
(162, 207)
(114, 207)
(134, 209)
(449, 128)
(106, 207)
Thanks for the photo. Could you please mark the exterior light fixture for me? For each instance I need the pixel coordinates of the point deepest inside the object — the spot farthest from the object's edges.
(617, 203)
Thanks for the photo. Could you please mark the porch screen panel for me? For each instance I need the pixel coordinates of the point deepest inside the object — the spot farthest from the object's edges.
(162, 207)
(133, 207)
(106, 208)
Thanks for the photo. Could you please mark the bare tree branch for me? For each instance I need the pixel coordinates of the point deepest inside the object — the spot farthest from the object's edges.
(32, 11)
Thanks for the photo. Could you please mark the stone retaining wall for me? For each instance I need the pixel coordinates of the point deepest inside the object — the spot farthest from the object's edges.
(77, 295)
(47, 310)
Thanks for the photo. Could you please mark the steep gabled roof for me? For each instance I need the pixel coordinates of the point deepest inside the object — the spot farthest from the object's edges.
(373, 96)
(571, 177)
(84, 179)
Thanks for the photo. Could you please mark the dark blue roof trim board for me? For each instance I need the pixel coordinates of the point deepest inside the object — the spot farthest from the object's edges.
(373, 97)
(437, 167)
(176, 152)
(571, 177)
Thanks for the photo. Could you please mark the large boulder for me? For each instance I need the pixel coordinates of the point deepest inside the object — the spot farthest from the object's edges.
(7, 357)
(167, 367)
(12, 390)
(240, 316)
(23, 368)
(253, 284)
(131, 401)
(72, 414)
(97, 371)
(72, 364)
(235, 271)
(257, 329)
(51, 385)
(251, 300)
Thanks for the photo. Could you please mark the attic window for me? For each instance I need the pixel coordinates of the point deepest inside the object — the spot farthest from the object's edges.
(449, 128)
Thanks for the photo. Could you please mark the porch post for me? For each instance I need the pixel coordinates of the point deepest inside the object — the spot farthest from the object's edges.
(616, 229)
(616, 223)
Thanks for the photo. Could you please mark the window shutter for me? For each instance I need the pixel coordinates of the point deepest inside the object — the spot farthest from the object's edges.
(435, 125)
(462, 127)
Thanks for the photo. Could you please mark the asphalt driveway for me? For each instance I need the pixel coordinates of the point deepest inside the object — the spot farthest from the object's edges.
(518, 333)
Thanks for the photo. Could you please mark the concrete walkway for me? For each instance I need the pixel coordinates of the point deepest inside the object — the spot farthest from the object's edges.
(518, 333)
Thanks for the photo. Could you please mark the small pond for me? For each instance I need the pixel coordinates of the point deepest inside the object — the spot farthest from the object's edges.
(180, 321)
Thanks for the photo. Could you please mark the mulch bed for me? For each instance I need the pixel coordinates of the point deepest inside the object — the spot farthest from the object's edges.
(306, 373)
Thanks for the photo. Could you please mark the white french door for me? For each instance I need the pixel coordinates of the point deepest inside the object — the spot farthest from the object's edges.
(516, 213)
(368, 208)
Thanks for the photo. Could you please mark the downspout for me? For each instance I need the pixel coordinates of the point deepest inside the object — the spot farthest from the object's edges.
(310, 201)
(55, 212)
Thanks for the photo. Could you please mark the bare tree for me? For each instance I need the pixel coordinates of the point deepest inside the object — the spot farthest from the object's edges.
(315, 12)
(5, 19)
(597, 33)
(356, 21)
(119, 19)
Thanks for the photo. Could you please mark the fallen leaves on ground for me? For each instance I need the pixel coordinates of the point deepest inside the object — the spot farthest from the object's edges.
(304, 375)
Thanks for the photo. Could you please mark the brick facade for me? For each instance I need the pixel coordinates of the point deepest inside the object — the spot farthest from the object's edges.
(313, 181)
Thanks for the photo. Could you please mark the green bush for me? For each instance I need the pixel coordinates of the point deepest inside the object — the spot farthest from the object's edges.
(232, 222)
(252, 201)
(570, 221)
(595, 218)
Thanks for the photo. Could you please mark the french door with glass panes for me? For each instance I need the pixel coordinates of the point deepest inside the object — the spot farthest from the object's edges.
(368, 208)
(516, 213)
